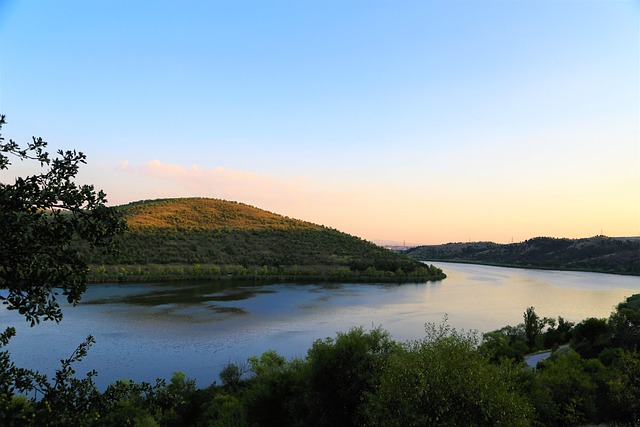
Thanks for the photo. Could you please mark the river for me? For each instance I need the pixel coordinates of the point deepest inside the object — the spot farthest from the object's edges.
(147, 331)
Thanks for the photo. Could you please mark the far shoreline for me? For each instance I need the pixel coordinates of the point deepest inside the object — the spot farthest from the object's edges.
(530, 267)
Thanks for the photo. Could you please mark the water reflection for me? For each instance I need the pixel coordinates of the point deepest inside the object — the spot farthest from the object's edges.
(144, 331)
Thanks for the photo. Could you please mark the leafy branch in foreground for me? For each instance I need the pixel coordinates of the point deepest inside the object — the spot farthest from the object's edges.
(44, 218)
(69, 398)
(40, 216)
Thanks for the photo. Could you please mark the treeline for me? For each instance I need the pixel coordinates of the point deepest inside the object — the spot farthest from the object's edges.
(364, 378)
(173, 272)
(208, 238)
(599, 254)
(593, 373)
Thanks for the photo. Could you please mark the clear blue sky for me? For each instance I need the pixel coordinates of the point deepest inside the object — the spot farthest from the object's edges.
(417, 121)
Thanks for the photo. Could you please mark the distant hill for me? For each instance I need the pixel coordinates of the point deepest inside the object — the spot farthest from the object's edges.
(194, 237)
(599, 254)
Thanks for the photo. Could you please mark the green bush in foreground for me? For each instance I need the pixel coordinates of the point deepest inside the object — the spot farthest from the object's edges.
(443, 380)
(358, 378)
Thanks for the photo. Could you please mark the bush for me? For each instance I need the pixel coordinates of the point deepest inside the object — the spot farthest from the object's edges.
(343, 371)
(571, 388)
(443, 380)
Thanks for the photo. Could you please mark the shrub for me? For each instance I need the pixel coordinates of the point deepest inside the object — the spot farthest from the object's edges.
(443, 380)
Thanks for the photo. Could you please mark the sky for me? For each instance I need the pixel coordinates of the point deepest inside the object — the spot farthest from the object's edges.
(416, 122)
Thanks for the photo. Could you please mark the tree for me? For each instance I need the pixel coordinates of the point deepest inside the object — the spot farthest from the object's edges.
(557, 335)
(591, 336)
(231, 375)
(532, 326)
(342, 371)
(497, 345)
(444, 380)
(44, 218)
(569, 380)
(625, 388)
(625, 323)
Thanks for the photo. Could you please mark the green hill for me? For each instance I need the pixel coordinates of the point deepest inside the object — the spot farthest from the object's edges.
(196, 237)
(599, 254)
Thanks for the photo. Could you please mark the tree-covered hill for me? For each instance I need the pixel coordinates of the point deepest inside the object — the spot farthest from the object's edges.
(197, 236)
(599, 253)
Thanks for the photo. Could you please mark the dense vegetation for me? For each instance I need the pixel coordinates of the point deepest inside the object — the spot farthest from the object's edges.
(600, 254)
(360, 377)
(208, 238)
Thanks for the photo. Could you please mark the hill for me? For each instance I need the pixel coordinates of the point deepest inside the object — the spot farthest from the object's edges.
(197, 237)
(599, 254)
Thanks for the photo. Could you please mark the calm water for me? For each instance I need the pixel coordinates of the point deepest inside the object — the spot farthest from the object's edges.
(148, 331)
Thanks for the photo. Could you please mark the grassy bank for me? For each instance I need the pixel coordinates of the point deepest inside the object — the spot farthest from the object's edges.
(174, 272)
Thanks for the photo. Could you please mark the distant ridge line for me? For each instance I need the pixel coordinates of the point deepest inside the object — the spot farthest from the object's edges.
(618, 255)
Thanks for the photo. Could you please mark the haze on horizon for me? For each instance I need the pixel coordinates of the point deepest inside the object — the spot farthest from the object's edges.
(418, 121)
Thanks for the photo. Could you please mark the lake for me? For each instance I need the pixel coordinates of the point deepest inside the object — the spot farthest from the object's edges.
(148, 331)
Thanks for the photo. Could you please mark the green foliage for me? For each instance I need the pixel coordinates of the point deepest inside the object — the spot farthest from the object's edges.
(277, 395)
(499, 345)
(625, 322)
(632, 304)
(624, 388)
(231, 376)
(175, 404)
(270, 361)
(224, 411)
(342, 371)
(44, 218)
(558, 333)
(72, 400)
(591, 337)
(572, 389)
(515, 342)
(40, 216)
(532, 326)
(443, 380)
(168, 272)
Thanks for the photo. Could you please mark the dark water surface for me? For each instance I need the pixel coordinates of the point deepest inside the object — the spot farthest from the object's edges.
(147, 331)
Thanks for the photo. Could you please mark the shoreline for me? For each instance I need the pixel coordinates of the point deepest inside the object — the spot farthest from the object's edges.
(146, 273)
